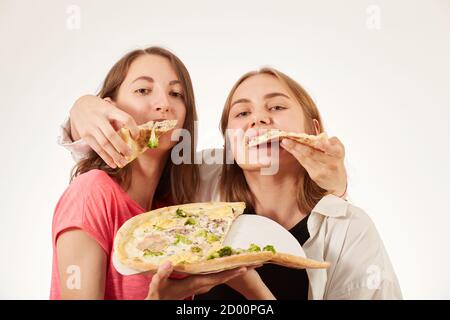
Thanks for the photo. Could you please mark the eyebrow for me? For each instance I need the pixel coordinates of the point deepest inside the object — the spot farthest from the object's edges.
(150, 79)
(239, 101)
(267, 96)
(275, 94)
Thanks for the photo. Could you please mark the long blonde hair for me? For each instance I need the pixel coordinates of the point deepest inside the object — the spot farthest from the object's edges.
(233, 185)
(180, 180)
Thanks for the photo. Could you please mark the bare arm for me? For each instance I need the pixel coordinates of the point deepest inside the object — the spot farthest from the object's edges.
(82, 266)
(82, 270)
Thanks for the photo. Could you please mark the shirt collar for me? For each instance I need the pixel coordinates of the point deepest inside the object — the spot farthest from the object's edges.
(331, 206)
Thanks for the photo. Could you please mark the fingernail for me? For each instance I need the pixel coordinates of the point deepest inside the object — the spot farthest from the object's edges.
(123, 163)
(167, 265)
(286, 142)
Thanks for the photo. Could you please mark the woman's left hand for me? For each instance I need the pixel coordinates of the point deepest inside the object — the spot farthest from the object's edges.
(326, 168)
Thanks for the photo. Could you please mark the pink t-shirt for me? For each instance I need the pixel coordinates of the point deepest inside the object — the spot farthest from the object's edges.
(96, 204)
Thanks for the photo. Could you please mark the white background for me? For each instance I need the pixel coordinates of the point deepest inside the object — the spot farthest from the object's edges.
(385, 92)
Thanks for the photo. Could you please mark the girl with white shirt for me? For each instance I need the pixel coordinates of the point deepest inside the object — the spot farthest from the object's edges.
(305, 194)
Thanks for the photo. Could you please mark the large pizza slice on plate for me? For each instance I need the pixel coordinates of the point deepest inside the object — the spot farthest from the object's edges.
(191, 237)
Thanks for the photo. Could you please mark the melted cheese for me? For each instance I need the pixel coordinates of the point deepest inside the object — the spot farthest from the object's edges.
(181, 252)
(221, 213)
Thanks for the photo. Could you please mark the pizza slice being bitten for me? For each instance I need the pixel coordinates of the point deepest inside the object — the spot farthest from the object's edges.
(275, 134)
(149, 134)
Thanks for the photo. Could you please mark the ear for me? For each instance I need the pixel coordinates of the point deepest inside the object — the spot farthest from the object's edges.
(316, 126)
(108, 99)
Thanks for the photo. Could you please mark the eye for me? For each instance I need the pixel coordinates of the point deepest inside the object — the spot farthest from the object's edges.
(176, 94)
(242, 114)
(276, 108)
(143, 91)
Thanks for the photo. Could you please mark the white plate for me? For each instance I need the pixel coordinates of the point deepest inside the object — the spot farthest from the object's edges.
(262, 231)
(245, 230)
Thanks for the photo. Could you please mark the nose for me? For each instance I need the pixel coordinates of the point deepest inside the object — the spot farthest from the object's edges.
(160, 101)
(260, 119)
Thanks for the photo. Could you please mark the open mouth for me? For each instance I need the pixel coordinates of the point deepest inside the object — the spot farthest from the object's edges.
(264, 145)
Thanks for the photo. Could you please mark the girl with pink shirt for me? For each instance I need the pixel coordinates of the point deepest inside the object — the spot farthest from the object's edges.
(150, 84)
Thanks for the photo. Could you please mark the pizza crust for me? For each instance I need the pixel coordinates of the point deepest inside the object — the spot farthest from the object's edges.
(303, 138)
(295, 262)
(210, 266)
(125, 234)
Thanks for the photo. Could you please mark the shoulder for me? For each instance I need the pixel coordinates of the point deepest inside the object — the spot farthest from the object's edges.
(89, 189)
(87, 205)
(361, 226)
(93, 178)
(343, 215)
(353, 246)
(359, 219)
(93, 182)
(211, 163)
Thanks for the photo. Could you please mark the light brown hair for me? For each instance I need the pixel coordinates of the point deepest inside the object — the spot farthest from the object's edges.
(233, 185)
(179, 182)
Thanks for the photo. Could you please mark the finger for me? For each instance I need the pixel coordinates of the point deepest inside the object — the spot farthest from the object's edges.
(335, 147)
(158, 278)
(306, 155)
(123, 119)
(165, 270)
(104, 143)
(99, 150)
(115, 140)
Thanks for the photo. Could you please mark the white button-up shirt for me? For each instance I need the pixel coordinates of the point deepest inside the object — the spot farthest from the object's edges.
(340, 233)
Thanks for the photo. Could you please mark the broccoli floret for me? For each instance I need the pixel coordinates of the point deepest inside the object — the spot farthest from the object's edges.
(254, 248)
(202, 233)
(196, 249)
(190, 221)
(225, 251)
(181, 213)
(269, 248)
(213, 255)
(153, 141)
(182, 239)
(148, 253)
(212, 238)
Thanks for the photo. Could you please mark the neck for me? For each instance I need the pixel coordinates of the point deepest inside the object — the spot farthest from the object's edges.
(146, 172)
(276, 195)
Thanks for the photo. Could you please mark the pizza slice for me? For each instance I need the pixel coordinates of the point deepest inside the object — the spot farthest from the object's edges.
(275, 134)
(191, 236)
(149, 134)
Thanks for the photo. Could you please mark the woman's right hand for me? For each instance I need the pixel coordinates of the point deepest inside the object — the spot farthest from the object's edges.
(96, 121)
(163, 288)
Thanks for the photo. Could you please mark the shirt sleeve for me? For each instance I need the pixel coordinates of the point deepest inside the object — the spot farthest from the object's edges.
(78, 149)
(363, 269)
(84, 206)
